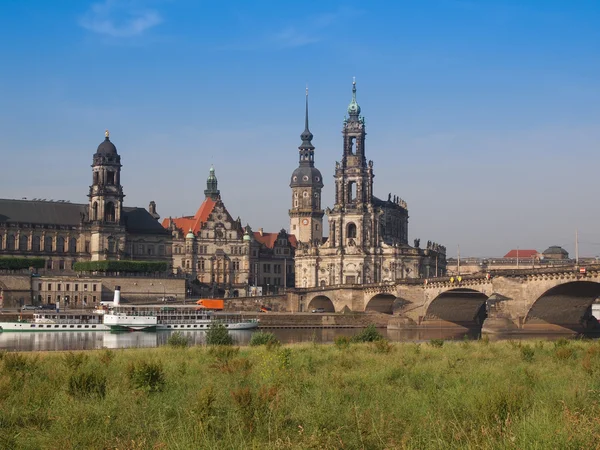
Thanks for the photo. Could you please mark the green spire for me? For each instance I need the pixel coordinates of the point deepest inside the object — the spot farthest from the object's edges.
(353, 108)
(211, 185)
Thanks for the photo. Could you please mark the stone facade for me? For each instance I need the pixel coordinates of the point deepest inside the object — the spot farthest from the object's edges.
(224, 257)
(64, 233)
(368, 237)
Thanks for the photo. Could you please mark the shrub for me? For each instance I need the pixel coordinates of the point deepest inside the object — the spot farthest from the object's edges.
(527, 353)
(564, 353)
(438, 343)
(342, 342)
(369, 334)
(107, 356)
(562, 342)
(74, 360)
(146, 376)
(17, 364)
(224, 352)
(15, 263)
(87, 384)
(263, 338)
(121, 266)
(177, 340)
(382, 346)
(217, 334)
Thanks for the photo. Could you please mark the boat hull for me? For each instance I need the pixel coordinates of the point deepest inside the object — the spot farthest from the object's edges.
(47, 327)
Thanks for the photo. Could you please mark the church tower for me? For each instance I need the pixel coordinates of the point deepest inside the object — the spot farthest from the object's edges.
(306, 214)
(105, 206)
(351, 220)
(211, 190)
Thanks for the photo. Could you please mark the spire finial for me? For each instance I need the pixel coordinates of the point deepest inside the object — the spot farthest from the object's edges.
(106, 134)
(306, 113)
(353, 108)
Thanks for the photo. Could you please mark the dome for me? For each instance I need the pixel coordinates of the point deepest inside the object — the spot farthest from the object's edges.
(246, 237)
(107, 147)
(306, 176)
(555, 250)
(190, 235)
(353, 108)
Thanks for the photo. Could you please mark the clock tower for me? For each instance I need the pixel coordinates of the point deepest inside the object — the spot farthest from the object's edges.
(306, 214)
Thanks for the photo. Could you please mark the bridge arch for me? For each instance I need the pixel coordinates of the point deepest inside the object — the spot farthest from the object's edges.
(459, 305)
(384, 303)
(567, 304)
(321, 301)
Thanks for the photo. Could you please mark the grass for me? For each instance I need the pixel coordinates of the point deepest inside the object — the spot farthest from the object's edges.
(369, 395)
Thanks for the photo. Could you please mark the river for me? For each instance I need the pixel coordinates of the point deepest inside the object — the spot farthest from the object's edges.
(73, 340)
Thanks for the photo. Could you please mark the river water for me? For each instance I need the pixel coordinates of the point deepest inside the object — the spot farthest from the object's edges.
(73, 340)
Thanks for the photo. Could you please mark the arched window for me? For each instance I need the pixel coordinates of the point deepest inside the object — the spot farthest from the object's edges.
(352, 146)
(109, 212)
(351, 231)
(95, 177)
(352, 191)
(10, 242)
(23, 243)
(73, 245)
(60, 244)
(95, 210)
(35, 244)
(48, 244)
(1, 241)
(111, 244)
(110, 178)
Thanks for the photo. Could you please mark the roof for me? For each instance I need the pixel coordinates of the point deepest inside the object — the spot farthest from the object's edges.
(194, 222)
(137, 220)
(269, 239)
(107, 147)
(555, 250)
(521, 253)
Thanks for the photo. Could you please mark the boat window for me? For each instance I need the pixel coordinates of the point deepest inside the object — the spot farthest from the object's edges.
(93, 326)
(86, 326)
(71, 326)
(55, 326)
(78, 326)
(32, 326)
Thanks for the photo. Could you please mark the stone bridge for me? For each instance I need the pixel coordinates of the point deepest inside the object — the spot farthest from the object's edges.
(528, 300)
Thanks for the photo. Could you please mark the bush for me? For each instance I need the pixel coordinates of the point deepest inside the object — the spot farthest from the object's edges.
(263, 338)
(342, 342)
(146, 376)
(87, 384)
(14, 263)
(369, 334)
(436, 343)
(382, 346)
(177, 340)
(217, 334)
(121, 266)
(527, 353)
(74, 360)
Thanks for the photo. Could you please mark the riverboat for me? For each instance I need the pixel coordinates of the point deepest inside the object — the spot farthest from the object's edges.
(149, 318)
(132, 318)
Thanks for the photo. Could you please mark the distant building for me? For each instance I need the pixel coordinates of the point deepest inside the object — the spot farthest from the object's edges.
(224, 257)
(103, 229)
(368, 237)
(555, 252)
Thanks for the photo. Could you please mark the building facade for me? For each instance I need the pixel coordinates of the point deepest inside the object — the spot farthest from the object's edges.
(63, 233)
(224, 258)
(368, 237)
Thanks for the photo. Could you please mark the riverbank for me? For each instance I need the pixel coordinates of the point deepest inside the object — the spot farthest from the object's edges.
(437, 395)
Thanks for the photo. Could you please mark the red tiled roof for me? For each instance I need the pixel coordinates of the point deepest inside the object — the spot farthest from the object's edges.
(268, 239)
(195, 222)
(521, 254)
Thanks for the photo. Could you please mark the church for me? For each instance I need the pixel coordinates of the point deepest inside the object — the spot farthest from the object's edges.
(104, 228)
(368, 236)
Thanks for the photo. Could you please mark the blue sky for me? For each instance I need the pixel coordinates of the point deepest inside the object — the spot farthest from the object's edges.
(483, 115)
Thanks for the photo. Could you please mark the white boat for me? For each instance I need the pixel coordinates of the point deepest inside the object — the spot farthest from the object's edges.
(53, 321)
(173, 318)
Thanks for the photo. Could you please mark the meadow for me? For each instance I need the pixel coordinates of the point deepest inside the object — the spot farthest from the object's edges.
(442, 395)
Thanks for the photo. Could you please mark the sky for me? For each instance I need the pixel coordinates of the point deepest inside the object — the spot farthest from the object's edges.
(484, 116)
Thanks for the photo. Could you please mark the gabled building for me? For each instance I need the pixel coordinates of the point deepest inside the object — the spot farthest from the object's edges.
(222, 256)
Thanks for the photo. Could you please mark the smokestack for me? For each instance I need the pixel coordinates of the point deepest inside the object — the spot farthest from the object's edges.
(117, 297)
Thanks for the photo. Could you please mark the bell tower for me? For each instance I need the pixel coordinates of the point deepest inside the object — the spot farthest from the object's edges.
(105, 205)
(211, 190)
(306, 214)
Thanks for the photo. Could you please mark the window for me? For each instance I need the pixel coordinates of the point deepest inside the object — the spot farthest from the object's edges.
(295, 203)
(48, 244)
(94, 298)
(49, 264)
(10, 242)
(352, 191)
(305, 194)
(351, 231)
(87, 246)
(141, 249)
(109, 212)
(94, 287)
(76, 287)
(58, 287)
(95, 211)
(39, 286)
(67, 287)
(352, 146)
(1, 241)
(316, 226)
(49, 286)
(73, 245)
(85, 287)
(61, 264)
(60, 244)
(35, 244)
(161, 250)
(23, 241)
(150, 250)
(95, 177)
(267, 268)
(110, 178)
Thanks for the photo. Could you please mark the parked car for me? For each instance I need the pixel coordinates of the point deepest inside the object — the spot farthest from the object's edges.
(318, 310)
(30, 308)
(167, 299)
(50, 306)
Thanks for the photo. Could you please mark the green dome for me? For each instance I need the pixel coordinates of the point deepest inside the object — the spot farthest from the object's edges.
(190, 235)
(246, 237)
(211, 174)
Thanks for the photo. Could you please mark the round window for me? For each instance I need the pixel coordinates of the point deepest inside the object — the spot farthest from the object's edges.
(305, 178)
(317, 179)
(305, 194)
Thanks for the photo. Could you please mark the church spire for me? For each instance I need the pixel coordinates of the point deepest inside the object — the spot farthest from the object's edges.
(211, 185)
(353, 108)
(306, 135)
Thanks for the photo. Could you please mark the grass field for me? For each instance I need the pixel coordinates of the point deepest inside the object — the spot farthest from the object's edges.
(472, 394)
